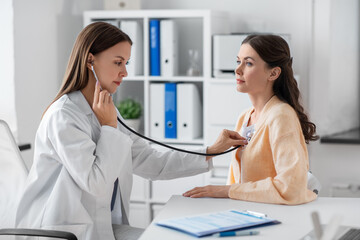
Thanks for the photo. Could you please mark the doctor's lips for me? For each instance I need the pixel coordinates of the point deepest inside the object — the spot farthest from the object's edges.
(117, 82)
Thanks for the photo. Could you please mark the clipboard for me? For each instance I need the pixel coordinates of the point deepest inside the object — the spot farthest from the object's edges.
(215, 222)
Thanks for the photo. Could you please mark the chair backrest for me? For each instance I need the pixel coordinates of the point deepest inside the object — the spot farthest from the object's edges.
(313, 183)
(13, 173)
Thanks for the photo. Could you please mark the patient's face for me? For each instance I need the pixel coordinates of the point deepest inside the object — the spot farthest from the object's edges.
(252, 73)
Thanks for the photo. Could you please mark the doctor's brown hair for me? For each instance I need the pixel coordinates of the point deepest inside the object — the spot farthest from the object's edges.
(275, 52)
(94, 38)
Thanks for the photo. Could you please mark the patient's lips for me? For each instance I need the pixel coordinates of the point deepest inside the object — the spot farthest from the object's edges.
(239, 81)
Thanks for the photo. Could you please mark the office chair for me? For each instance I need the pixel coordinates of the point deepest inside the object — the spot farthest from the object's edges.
(13, 173)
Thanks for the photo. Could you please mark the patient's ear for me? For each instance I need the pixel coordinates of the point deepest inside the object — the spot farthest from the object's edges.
(274, 73)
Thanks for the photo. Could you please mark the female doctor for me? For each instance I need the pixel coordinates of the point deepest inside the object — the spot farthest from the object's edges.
(81, 177)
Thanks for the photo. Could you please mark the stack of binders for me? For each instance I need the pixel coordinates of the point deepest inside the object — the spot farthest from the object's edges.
(175, 111)
(163, 48)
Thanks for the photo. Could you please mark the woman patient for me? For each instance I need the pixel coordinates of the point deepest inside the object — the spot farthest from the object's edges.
(273, 167)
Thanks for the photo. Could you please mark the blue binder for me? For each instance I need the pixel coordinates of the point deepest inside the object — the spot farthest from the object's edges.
(170, 110)
(154, 47)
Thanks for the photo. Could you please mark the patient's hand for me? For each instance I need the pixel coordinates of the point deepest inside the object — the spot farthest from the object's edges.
(209, 191)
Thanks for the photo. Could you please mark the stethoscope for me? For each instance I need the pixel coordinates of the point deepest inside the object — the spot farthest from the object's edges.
(160, 143)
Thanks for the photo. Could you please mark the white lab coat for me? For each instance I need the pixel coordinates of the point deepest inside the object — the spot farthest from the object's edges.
(76, 162)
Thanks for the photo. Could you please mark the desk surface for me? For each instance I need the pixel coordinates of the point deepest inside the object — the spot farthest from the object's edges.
(296, 220)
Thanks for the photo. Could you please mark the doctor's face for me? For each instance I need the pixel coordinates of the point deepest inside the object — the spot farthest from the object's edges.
(252, 72)
(110, 65)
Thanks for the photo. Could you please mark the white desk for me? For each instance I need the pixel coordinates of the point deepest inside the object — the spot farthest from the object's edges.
(296, 220)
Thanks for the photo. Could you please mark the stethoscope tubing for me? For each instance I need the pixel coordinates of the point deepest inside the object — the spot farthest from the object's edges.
(175, 148)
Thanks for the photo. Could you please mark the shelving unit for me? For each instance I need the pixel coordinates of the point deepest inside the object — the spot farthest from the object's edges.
(195, 30)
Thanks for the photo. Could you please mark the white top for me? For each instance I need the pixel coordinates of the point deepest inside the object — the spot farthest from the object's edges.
(76, 162)
(246, 132)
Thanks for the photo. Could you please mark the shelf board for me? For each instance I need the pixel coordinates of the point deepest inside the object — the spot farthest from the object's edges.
(182, 142)
(134, 78)
(173, 13)
(224, 80)
(349, 137)
(176, 79)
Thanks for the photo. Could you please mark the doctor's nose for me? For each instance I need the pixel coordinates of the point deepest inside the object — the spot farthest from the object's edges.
(123, 73)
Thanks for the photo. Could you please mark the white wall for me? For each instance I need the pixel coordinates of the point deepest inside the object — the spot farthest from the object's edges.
(7, 83)
(44, 35)
(335, 90)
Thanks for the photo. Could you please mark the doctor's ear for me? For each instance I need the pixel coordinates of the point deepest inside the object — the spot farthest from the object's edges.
(90, 61)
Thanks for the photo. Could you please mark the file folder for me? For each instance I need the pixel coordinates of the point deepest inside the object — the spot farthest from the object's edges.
(154, 47)
(157, 110)
(170, 110)
(169, 48)
(189, 112)
(134, 30)
(214, 222)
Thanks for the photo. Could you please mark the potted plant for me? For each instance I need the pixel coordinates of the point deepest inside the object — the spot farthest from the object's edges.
(130, 110)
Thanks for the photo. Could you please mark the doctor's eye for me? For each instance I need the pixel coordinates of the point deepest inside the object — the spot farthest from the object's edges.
(118, 63)
(238, 62)
(128, 62)
(249, 64)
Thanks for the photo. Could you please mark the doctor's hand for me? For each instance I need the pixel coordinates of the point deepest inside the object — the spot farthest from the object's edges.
(225, 140)
(209, 191)
(103, 107)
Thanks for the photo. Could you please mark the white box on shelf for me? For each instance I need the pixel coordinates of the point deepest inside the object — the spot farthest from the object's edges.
(134, 30)
(189, 112)
(225, 49)
(168, 48)
(157, 110)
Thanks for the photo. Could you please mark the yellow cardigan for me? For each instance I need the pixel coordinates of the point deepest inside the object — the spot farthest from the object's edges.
(275, 161)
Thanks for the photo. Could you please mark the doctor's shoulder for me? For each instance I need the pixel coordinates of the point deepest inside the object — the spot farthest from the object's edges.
(65, 112)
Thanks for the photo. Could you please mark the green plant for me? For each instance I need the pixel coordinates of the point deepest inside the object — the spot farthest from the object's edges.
(129, 109)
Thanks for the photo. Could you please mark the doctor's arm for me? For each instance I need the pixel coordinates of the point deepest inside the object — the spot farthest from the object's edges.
(156, 165)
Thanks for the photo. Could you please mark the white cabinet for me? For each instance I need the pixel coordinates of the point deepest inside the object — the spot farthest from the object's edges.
(194, 30)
